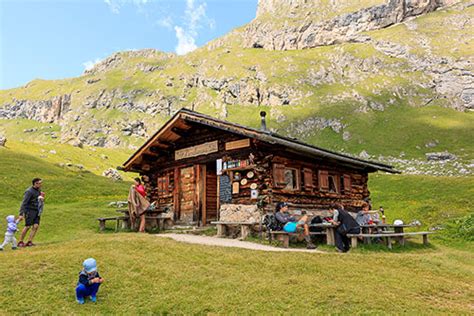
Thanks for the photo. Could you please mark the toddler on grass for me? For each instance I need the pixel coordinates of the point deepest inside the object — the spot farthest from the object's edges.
(10, 233)
(89, 281)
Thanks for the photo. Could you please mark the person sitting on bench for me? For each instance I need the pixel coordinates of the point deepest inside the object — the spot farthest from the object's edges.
(291, 224)
(346, 224)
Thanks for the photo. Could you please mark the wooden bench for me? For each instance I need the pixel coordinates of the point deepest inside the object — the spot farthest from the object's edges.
(103, 220)
(284, 237)
(244, 228)
(388, 237)
(158, 220)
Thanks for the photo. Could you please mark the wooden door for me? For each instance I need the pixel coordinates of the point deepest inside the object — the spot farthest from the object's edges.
(187, 192)
(211, 195)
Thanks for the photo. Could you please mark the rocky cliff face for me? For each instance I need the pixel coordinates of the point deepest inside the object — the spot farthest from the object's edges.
(300, 60)
(309, 31)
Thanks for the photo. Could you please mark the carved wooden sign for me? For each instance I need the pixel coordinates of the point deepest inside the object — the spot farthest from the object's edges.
(241, 143)
(198, 150)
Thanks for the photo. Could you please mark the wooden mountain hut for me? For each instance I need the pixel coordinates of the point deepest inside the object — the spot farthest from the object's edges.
(203, 169)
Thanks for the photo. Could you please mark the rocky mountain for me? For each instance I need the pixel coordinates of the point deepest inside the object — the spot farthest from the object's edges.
(383, 77)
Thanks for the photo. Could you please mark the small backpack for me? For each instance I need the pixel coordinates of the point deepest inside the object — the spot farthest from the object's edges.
(270, 222)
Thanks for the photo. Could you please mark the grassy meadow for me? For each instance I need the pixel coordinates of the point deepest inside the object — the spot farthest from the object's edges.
(146, 274)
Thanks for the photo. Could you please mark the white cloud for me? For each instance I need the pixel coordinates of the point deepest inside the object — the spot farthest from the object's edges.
(116, 5)
(186, 41)
(88, 65)
(195, 18)
(166, 22)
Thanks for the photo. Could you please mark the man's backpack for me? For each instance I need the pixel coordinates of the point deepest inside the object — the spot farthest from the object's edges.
(270, 222)
(316, 220)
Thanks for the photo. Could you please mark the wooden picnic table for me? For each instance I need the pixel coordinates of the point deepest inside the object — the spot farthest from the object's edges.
(330, 232)
(384, 228)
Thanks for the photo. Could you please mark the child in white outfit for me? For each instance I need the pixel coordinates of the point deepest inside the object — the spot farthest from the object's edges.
(10, 233)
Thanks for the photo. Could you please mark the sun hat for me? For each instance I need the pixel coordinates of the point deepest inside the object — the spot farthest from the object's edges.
(398, 222)
(90, 265)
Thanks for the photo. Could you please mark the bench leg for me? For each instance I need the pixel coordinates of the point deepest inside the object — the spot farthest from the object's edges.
(330, 238)
(126, 223)
(402, 241)
(161, 224)
(354, 242)
(117, 223)
(102, 225)
(389, 243)
(286, 241)
(425, 239)
(244, 231)
(221, 230)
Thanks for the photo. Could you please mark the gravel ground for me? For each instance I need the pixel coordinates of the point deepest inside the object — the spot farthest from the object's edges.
(225, 242)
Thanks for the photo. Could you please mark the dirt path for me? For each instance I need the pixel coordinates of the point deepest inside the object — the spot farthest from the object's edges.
(225, 242)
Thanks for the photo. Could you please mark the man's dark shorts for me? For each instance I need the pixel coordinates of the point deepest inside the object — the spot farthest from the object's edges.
(32, 218)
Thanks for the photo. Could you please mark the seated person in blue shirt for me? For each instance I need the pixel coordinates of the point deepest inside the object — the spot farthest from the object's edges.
(291, 224)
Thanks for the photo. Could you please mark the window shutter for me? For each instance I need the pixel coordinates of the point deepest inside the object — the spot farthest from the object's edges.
(323, 180)
(347, 184)
(308, 179)
(160, 186)
(279, 175)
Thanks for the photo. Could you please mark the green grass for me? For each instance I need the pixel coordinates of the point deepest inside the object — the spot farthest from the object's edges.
(146, 274)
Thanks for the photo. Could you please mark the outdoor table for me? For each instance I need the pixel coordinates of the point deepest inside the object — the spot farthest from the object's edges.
(330, 232)
(398, 229)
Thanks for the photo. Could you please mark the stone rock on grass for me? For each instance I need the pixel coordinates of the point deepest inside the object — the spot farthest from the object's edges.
(440, 156)
(118, 204)
(112, 174)
(364, 155)
(3, 141)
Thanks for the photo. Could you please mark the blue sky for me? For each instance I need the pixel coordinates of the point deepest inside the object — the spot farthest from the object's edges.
(54, 39)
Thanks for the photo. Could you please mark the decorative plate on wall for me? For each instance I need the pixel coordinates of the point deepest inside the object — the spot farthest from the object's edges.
(243, 181)
(253, 186)
(250, 174)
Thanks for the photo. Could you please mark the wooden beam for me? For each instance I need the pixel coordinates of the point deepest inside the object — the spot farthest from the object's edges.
(180, 132)
(166, 143)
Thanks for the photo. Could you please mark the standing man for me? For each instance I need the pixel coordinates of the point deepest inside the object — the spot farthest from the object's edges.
(29, 210)
(346, 224)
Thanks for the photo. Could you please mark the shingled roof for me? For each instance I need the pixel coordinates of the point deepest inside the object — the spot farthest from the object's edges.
(185, 115)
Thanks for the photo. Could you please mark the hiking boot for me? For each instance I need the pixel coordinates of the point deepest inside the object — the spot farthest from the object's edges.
(30, 244)
(310, 245)
(21, 244)
(93, 299)
(1, 249)
(13, 248)
(80, 300)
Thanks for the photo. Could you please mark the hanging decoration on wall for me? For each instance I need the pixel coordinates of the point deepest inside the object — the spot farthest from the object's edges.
(243, 181)
(254, 194)
(235, 188)
(250, 174)
(253, 186)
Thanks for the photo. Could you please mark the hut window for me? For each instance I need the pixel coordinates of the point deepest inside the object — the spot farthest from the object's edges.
(286, 178)
(346, 184)
(308, 179)
(332, 184)
(162, 185)
(291, 179)
(323, 180)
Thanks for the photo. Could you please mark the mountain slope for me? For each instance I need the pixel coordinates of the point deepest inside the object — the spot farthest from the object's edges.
(394, 91)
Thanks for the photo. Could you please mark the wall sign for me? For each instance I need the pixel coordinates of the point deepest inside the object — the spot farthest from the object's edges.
(225, 189)
(242, 143)
(198, 150)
